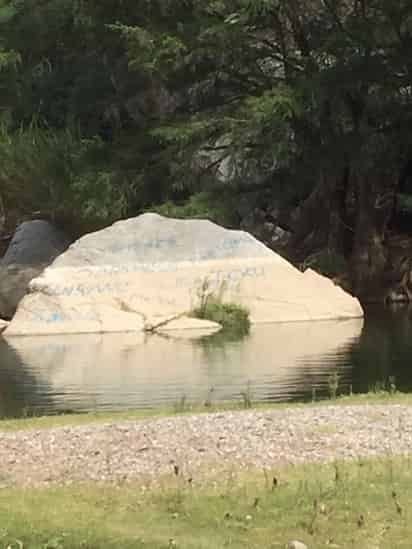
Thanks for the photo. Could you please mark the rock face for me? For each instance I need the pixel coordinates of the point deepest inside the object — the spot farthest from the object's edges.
(34, 246)
(35, 243)
(3, 325)
(145, 271)
(14, 281)
(185, 325)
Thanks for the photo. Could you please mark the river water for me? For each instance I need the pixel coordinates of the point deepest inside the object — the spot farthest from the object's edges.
(276, 362)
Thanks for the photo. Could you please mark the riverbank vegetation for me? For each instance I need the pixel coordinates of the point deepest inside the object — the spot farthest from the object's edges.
(363, 503)
(210, 109)
(185, 406)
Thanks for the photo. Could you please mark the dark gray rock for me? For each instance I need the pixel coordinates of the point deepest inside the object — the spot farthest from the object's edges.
(34, 245)
(14, 281)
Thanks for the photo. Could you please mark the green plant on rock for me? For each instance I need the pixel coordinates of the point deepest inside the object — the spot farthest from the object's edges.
(231, 316)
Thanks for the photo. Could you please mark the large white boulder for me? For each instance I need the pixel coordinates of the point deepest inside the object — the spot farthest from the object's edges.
(143, 272)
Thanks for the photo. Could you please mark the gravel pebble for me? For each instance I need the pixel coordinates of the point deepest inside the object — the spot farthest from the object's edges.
(200, 446)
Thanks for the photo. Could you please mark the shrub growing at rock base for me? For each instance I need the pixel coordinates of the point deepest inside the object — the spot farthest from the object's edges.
(230, 315)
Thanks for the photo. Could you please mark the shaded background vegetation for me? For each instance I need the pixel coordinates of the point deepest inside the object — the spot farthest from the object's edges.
(110, 109)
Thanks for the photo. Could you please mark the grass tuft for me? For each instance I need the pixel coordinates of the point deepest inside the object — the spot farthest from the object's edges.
(231, 316)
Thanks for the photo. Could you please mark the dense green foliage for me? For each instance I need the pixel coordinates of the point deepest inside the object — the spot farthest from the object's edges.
(231, 316)
(108, 109)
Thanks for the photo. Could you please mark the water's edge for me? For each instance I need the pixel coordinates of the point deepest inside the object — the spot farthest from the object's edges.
(275, 363)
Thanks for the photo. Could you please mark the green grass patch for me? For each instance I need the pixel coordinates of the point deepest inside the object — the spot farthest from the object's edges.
(184, 406)
(232, 317)
(361, 504)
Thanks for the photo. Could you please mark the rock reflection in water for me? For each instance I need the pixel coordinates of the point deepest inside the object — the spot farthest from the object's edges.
(21, 390)
(119, 371)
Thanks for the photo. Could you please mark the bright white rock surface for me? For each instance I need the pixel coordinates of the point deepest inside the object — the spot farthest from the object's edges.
(142, 272)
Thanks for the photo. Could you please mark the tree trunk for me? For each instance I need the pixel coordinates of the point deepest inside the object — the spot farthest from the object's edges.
(322, 219)
(349, 215)
(376, 195)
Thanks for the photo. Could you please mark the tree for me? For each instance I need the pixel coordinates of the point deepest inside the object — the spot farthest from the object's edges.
(134, 103)
(321, 84)
(76, 144)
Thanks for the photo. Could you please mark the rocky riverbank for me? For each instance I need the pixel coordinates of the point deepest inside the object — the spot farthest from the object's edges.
(204, 446)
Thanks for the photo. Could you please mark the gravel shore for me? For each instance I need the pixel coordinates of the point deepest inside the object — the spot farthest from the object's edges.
(200, 446)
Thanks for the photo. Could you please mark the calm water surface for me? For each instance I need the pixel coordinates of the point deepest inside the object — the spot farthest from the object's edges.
(277, 362)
